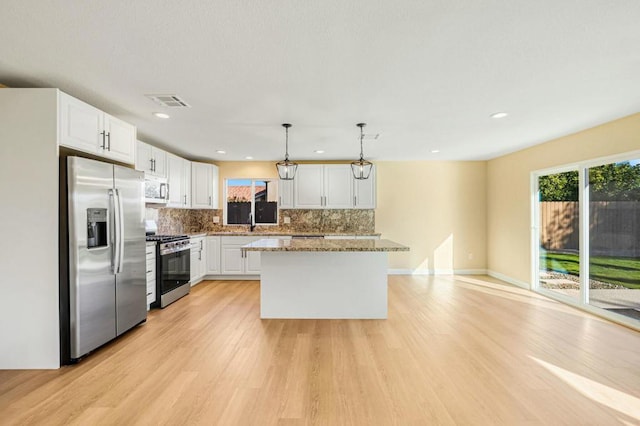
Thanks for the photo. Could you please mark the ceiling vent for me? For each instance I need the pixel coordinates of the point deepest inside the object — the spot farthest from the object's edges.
(171, 101)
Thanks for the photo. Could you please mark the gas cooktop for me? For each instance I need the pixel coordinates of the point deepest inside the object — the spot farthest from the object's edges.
(166, 238)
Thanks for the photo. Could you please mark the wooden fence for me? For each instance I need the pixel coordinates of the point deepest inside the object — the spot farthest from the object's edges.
(614, 227)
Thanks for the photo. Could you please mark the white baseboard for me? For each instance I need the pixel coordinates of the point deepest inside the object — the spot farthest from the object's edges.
(470, 272)
(508, 279)
(436, 271)
(232, 277)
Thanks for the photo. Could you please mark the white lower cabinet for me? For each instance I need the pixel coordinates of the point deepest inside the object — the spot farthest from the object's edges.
(151, 273)
(236, 262)
(232, 259)
(252, 262)
(213, 256)
(198, 259)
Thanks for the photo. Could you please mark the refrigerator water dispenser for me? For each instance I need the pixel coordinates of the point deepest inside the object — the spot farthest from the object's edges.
(96, 228)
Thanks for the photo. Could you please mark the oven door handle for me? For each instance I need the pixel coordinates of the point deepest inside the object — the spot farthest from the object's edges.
(174, 250)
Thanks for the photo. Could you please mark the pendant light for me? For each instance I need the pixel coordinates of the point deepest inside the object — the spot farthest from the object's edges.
(286, 169)
(361, 168)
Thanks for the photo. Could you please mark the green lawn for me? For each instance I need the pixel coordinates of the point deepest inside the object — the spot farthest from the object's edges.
(624, 271)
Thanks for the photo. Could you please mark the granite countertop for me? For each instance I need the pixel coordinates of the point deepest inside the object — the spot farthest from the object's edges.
(197, 235)
(289, 233)
(274, 244)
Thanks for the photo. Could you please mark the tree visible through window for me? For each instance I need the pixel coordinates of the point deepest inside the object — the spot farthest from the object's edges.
(252, 201)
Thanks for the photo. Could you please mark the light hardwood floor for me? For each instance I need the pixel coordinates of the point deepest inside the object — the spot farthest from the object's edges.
(455, 350)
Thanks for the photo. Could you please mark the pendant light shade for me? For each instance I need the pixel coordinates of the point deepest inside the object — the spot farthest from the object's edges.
(362, 168)
(286, 169)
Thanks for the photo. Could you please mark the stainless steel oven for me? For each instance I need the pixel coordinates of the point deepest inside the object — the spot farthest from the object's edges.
(173, 272)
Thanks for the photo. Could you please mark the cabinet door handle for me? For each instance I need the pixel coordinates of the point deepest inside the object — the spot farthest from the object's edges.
(210, 204)
(103, 133)
(151, 161)
(355, 202)
(280, 199)
(185, 200)
(108, 141)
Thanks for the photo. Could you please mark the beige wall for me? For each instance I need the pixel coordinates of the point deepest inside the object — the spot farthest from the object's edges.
(509, 193)
(438, 209)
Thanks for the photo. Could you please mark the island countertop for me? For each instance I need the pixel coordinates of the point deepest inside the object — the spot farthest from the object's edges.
(274, 244)
(268, 234)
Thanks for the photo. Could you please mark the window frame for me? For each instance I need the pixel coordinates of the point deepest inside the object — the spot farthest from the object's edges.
(582, 302)
(253, 203)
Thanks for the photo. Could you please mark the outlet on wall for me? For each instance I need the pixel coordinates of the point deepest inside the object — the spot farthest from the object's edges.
(470, 256)
(287, 219)
(216, 219)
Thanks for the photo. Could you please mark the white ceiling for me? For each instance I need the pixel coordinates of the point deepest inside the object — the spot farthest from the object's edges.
(426, 75)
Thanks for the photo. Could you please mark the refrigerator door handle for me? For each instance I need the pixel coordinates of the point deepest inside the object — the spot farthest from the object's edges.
(120, 230)
(115, 231)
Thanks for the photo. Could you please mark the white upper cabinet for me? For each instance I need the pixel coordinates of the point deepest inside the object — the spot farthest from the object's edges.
(323, 186)
(151, 160)
(179, 179)
(204, 186)
(338, 186)
(308, 186)
(81, 125)
(364, 192)
(121, 140)
(86, 128)
(285, 191)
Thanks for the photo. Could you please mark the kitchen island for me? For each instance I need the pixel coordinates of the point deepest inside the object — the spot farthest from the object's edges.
(321, 278)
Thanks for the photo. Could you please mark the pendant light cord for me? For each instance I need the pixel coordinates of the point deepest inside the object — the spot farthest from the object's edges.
(361, 125)
(361, 137)
(286, 144)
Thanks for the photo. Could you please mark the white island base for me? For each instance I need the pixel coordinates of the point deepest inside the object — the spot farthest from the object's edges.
(327, 285)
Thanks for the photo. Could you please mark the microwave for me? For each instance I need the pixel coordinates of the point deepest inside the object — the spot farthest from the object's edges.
(156, 190)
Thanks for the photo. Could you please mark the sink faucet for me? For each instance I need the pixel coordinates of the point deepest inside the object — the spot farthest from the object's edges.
(250, 223)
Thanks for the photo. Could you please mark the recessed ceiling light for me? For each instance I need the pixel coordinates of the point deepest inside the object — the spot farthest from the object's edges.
(161, 115)
(498, 115)
(248, 157)
(220, 151)
(435, 151)
(319, 151)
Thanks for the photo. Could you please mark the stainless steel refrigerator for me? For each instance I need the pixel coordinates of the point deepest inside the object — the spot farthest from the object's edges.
(105, 293)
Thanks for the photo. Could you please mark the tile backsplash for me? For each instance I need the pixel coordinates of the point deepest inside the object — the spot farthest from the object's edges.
(189, 221)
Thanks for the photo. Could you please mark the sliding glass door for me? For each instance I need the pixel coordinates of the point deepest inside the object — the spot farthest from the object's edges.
(558, 233)
(614, 237)
(586, 222)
